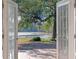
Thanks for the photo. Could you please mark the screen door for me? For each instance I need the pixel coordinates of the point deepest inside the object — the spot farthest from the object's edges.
(62, 29)
(12, 17)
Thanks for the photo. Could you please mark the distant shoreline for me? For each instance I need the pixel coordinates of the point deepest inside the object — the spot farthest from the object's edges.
(34, 34)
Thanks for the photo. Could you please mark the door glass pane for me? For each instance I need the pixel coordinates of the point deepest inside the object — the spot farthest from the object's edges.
(63, 32)
(11, 29)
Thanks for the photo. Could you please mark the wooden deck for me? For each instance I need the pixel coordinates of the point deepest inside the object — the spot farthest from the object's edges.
(37, 54)
(37, 50)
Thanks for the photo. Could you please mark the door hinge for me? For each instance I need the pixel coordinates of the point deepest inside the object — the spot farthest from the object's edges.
(75, 4)
(2, 5)
(75, 36)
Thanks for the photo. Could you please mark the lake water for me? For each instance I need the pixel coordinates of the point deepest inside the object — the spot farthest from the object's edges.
(33, 34)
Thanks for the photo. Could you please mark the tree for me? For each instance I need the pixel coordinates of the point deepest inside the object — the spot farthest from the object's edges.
(38, 11)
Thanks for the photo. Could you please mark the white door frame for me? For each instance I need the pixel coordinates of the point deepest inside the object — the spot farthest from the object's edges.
(62, 3)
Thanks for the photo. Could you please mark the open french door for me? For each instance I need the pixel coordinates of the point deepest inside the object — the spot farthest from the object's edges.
(65, 29)
(62, 22)
(10, 9)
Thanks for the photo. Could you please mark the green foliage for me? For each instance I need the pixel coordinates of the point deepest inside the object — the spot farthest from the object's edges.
(30, 8)
(48, 25)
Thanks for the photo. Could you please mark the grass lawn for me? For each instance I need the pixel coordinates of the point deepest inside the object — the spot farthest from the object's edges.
(28, 40)
(23, 40)
(46, 40)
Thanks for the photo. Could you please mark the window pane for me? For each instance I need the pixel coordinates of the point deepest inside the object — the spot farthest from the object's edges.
(11, 29)
(63, 32)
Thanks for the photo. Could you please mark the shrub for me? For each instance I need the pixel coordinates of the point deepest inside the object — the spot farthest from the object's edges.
(36, 39)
